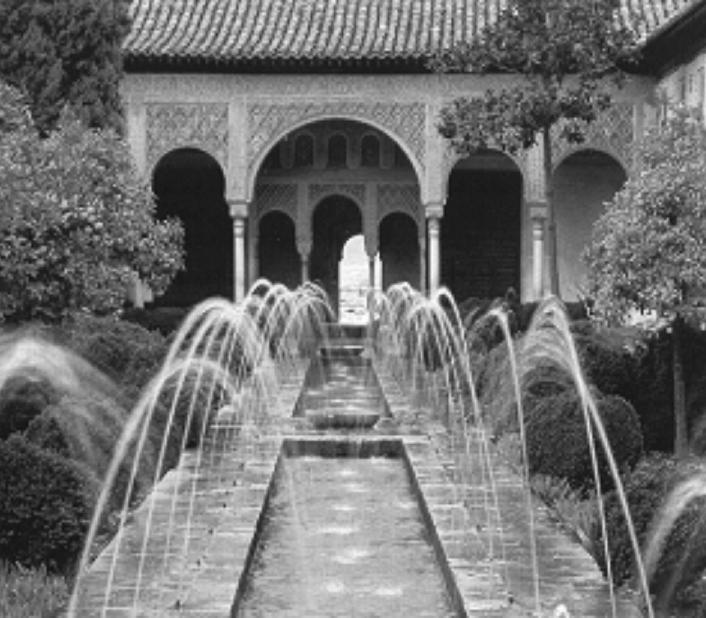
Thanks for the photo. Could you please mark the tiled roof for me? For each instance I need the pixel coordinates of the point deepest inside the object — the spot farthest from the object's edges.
(311, 32)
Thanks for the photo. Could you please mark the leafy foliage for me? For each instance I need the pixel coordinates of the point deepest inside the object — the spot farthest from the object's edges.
(65, 52)
(28, 593)
(649, 247)
(563, 49)
(76, 224)
(557, 444)
(684, 552)
(45, 506)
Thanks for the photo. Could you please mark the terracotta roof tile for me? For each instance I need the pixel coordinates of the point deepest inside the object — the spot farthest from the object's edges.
(242, 31)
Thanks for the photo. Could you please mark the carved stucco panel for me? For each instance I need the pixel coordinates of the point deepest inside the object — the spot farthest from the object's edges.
(281, 197)
(398, 198)
(612, 132)
(268, 120)
(181, 125)
(356, 191)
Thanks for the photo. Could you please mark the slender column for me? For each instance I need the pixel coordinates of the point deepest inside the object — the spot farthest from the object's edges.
(422, 264)
(305, 266)
(239, 258)
(238, 212)
(304, 249)
(254, 263)
(434, 254)
(538, 258)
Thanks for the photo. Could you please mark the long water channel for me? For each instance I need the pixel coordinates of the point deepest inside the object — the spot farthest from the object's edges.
(343, 533)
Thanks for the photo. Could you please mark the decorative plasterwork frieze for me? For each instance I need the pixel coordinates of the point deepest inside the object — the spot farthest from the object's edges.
(355, 191)
(612, 132)
(398, 198)
(187, 125)
(281, 197)
(267, 121)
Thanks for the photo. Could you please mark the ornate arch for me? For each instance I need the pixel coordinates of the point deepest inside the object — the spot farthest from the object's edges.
(355, 191)
(172, 126)
(399, 198)
(602, 148)
(451, 158)
(275, 198)
(404, 123)
(612, 133)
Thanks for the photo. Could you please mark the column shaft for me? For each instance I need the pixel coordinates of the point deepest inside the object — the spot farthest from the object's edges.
(434, 251)
(538, 258)
(238, 258)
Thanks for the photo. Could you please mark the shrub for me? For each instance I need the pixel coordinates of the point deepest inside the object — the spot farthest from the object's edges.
(162, 319)
(46, 432)
(496, 389)
(653, 390)
(557, 444)
(683, 560)
(45, 506)
(128, 353)
(606, 362)
(22, 398)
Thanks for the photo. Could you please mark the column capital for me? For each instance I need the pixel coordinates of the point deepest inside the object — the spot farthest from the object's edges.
(434, 224)
(304, 245)
(434, 210)
(238, 209)
(239, 226)
(538, 209)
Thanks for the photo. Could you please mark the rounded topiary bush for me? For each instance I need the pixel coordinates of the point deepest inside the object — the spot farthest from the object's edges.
(127, 352)
(22, 398)
(606, 363)
(496, 389)
(682, 562)
(45, 506)
(557, 444)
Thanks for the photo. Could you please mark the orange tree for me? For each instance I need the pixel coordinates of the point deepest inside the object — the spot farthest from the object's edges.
(648, 250)
(568, 55)
(76, 222)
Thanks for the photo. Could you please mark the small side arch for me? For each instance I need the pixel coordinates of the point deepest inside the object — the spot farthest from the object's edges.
(188, 183)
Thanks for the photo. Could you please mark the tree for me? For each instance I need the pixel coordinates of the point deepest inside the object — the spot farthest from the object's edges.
(648, 250)
(60, 52)
(76, 223)
(570, 54)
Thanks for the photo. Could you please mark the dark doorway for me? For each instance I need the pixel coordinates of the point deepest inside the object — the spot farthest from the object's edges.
(189, 184)
(399, 250)
(335, 220)
(480, 231)
(277, 250)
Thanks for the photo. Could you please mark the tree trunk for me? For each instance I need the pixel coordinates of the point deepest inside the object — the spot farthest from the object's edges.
(681, 436)
(551, 243)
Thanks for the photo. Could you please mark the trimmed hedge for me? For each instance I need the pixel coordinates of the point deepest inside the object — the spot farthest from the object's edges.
(557, 444)
(22, 398)
(495, 388)
(45, 507)
(684, 552)
(127, 352)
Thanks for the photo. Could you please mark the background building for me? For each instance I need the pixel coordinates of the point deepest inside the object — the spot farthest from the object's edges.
(280, 129)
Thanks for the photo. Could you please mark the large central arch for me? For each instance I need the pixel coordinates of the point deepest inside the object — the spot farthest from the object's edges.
(316, 176)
